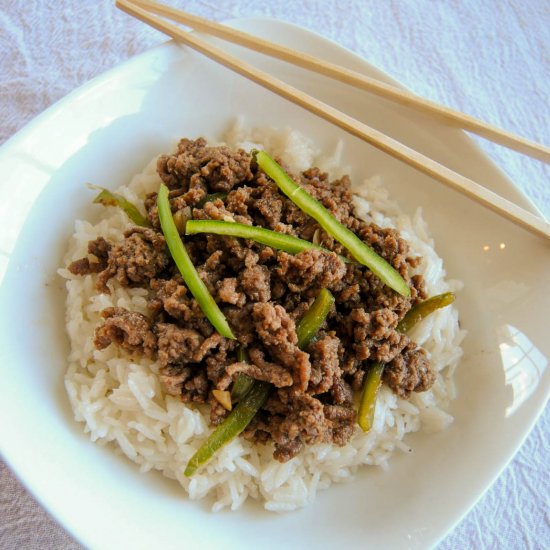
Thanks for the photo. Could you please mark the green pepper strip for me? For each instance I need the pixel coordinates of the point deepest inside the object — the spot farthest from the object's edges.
(108, 198)
(423, 309)
(373, 381)
(311, 322)
(274, 239)
(250, 404)
(187, 269)
(241, 386)
(243, 382)
(233, 425)
(359, 250)
(373, 378)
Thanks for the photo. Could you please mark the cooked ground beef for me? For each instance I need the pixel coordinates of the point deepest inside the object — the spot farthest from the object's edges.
(263, 294)
(99, 249)
(141, 256)
(128, 329)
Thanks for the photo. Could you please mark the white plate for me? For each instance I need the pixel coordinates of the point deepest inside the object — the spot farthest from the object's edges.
(106, 131)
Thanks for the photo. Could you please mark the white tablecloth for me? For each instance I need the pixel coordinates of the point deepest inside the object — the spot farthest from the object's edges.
(490, 58)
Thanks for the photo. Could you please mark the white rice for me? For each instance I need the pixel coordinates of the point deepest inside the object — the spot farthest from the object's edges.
(121, 402)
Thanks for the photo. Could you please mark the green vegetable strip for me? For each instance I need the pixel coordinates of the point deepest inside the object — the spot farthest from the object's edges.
(274, 239)
(242, 354)
(311, 322)
(360, 251)
(373, 381)
(108, 198)
(232, 426)
(423, 309)
(373, 378)
(243, 383)
(187, 269)
(250, 404)
(241, 386)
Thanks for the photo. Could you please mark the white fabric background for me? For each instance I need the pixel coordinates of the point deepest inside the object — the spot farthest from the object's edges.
(490, 58)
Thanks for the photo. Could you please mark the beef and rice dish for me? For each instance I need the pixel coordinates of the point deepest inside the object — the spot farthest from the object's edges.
(263, 293)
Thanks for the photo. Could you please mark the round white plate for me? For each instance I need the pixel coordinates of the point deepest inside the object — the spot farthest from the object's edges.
(105, 132)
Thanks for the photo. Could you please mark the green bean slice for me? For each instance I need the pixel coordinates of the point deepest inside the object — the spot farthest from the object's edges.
(423, 309)
(274, 239)
(315, 316)
(187, 269)
(108, 198)
(241, 386)
(243, 382)
(371, 385)
(359, 250)
(373, 377)
(232, 426)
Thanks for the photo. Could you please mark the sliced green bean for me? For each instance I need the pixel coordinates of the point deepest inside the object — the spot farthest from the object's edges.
(237, 420)
(108, 198)
(243, 382)
(423, 309)
(373, 377)
(315, 316)
(187, 269)
(241, 386)
(371, 385)
(242, 355)
(359, 250)
(261, 235)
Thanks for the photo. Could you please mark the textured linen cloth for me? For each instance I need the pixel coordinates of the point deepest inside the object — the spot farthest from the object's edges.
(487, 58)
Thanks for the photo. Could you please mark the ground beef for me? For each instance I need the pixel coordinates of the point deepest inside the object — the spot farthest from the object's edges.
(260, 369)
(177, 346)
(310, 268)
(373, 336)
(197, 165)
(195, 390)
(325, 364)
(277, 331)
(285, 451)
(335, 196)
(304, 419)
(128, 329)
(227, 292)
(410, 371)
(172, 300)
(263, 294)
(140, 257)
(172, 379)
(99, 249)
(255, 282)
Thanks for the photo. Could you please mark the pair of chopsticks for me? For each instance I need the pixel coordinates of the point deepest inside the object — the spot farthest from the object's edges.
(144, 10)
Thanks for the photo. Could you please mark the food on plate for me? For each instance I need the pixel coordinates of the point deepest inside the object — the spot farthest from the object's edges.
(236, 337)
(373, 375)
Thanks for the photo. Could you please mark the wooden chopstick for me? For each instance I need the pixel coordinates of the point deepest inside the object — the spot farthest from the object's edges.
(353, 78)
(413, 158)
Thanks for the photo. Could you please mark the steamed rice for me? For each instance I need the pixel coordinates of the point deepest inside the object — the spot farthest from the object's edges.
(121, 403)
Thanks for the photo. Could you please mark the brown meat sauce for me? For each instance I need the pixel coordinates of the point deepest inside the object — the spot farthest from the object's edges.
(263, 293)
